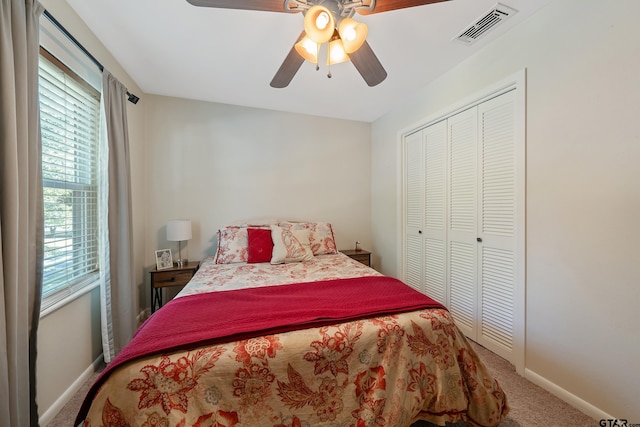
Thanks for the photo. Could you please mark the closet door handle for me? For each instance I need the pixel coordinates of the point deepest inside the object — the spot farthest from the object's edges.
(479, 239)
(419, 231)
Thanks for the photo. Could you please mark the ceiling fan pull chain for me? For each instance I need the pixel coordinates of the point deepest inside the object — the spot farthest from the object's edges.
(318, 57)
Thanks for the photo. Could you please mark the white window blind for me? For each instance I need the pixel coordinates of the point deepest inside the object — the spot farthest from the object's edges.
(70, 117)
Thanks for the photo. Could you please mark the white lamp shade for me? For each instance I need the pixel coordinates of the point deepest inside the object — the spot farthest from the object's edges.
(179, 230)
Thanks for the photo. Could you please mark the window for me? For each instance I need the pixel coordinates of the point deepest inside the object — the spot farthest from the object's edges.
(70, 117)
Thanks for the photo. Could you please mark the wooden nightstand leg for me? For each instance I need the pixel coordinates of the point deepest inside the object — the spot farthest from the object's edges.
(156, 298)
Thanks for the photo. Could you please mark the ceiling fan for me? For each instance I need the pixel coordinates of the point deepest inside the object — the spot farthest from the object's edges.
(325, 21)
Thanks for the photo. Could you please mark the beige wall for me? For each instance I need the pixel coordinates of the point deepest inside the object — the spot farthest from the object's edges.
(216, 164)
(583, 192)
(69, 339)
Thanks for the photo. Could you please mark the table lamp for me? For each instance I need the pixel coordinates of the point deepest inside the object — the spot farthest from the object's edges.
(179, 230)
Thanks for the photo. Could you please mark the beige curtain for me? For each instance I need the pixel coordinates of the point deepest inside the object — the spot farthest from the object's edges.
(118, 301)
(21, 230)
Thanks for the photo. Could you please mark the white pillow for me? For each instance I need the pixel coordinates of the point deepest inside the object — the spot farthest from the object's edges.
(290, 245)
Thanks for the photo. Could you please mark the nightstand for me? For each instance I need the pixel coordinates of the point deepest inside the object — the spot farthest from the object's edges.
(176, 276)
(359, 255)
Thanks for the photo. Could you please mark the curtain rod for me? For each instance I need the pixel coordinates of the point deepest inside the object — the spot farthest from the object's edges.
(131, 97)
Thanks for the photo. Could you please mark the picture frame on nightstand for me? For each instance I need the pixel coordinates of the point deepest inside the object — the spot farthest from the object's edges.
(164, 259)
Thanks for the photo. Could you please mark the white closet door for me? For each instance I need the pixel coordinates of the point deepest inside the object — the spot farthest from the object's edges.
(435, 214)
(464, 217)
(497, 213)
(414, 208)
(462, 221)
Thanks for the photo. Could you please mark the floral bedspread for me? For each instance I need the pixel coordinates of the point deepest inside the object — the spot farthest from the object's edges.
(384, 371)
(212, 277)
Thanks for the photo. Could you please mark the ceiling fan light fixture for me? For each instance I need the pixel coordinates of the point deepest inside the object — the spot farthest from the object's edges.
(353, 34)
(322, 20)
(337, 53)
(308, 49)
(319, 24)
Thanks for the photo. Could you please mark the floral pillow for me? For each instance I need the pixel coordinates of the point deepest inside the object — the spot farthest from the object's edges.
(321, 236)
(290, 245)
(233, 240)
(232, 245)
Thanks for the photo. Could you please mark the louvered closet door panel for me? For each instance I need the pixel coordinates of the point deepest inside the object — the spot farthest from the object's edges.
(497, 223)
(435, 231)
(462, 215)
(413, 263)
(497, 297)
(435, 272)
(462, 286)
(414, 180)
(414, 208)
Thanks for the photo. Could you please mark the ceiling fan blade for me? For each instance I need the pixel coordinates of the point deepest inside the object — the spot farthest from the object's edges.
(262, 5)
(289, 67)
(387, 5)
(368, 65)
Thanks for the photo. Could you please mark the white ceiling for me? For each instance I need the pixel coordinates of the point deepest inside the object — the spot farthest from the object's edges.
(172, 48)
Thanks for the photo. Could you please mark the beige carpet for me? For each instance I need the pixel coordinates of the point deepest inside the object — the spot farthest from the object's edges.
(531, 406)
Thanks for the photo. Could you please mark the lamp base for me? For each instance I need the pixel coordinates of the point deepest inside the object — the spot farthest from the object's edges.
(182, 262)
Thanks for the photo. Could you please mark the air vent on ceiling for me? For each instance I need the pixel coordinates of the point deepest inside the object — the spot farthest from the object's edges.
(498, 14)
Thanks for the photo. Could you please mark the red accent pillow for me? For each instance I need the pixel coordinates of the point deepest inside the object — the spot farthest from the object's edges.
(260, 245)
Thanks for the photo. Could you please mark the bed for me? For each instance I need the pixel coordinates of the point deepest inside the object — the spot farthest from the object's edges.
(280, 329)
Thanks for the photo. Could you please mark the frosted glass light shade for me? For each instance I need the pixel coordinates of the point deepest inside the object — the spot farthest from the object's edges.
(308, 49)
(179, 230)
(319, 24)
(353, 34)
(336, 53)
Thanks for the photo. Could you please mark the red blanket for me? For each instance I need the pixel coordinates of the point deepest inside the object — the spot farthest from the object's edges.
(227, 316)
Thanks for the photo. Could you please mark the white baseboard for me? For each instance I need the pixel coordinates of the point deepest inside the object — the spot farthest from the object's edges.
(570, 398)
(57, 406)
